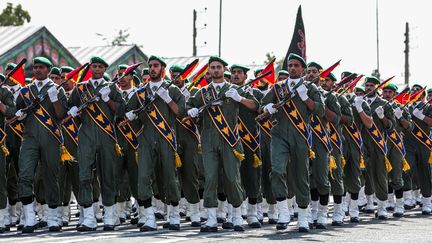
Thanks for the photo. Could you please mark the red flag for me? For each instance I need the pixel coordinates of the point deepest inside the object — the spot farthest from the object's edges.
(202, 83)
(326, 72)
(271, 79)
(82, 75)
(352, 85)
(416, 96)
(18, 76)
(402, 97)
(189, 69)
(385, 82)
(131, 68)
(76, 71)
(199, 75)
(345, 80)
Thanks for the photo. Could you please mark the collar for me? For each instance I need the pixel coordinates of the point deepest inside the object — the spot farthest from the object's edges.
(14, 88)
(41, 83)
(371, 100)
(99, 81)
(292, 82)
(128, 91)
(220, 85)
(155, 85)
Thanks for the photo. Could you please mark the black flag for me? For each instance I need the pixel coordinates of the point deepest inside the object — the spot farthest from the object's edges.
(298, 40)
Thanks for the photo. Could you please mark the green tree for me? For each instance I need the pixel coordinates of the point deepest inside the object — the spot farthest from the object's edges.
(120, 39)
(14, 16)
(270, 56)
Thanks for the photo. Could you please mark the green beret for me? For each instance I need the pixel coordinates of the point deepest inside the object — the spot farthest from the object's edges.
(66, 69)
(315, 65)
(42, 60)
(332, 77)
(2, 77)
(56, 71)
(429, 90)
(145, 71)
(217, 59)
(293, 56)
(345, 74)
(159, 59)
(391, 87)
(122, 66)
(106, 76)
(372, 79)
(258, 71)
(176, 68)
(97, 59)
(28, 80)
(227, 74)
(359, 89)
(242, 67)
(417, 85)
(136, 79)
(10, 66)
(283, 72)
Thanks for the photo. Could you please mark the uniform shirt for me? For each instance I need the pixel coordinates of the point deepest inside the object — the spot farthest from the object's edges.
(218, 86)
(127, 93)
(155, 86)
(96, 82)
(41, 83)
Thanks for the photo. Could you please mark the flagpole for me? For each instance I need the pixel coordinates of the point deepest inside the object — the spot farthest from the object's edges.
(220, 26)
(377, 39)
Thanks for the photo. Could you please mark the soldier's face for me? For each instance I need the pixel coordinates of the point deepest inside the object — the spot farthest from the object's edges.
(216, 70)
(179, 83)
(238, 76)
(155, 70)
(144, 78)
(326, 84)
(388, 94)
(282, 77)
(98, 70)
(312, 73)
(56, 79)
(369, 87)
(125, 82)
(69, 84)
(429, 95)
(295, 69)
(40, 71)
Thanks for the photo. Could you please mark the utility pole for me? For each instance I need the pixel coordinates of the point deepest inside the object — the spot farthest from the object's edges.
(406, 51)
(220, 26)
(377, 40)
(194, 48)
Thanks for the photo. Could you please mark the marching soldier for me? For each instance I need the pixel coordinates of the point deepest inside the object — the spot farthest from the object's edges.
(220, 144)
(291, 145)
(42, 143)
(282, 75)
(158, 150)
(377, 164)
(98, 145)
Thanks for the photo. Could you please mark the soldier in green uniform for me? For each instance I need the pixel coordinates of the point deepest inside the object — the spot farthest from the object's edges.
(419, 149)
(41, 144)
(429, 94)
(290, 145)
(282, 75)
(144, 77)
(396, 153)
(220, 143)
(98, 146)
(377, 165)
(7, 110)
(250, 169)
(158, 150)
(319, 176)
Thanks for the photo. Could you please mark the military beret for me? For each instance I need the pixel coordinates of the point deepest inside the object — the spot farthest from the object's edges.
(283, 72)
(42, 60)
(429, 90)
(159, 59)
(391, 87)
(56, 71)
(176, 68)
(345, 74)
(66, 69)
(145, 71)
(2, 77)
(106, 76)
(217, 59)
(359, 89)
(293, 56)
(97, 59)
(418, 86)
(372, 79)
(227, 74)
(122, 66)
(315, 65)
(10, 66)
(332, 77)
(258, 71)
(242, 67)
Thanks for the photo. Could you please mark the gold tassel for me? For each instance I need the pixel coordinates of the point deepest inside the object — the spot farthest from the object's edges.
(332, 165)
(5, 150)
(178, 161)
(406, 166)
(362, 163)
(199, 148)
(311, 154)
(343, 162)
(238, 155)
(387, 164)
(118, 150)
(430, 158)
(257, 161)
(65, 155)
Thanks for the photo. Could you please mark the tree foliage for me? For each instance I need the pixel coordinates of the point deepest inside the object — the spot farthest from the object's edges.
(14, 16)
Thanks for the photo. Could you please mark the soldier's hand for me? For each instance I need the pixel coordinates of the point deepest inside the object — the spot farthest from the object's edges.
(269, 108)
(358, 101)
(53, 94)
(163, 93)
(398, 113)
(20, 114)
(418, 113)
(233, 94)
(302, 92)
(193, 112)
(130, 115)
(74, 112)
(380, 112)
(105, 91)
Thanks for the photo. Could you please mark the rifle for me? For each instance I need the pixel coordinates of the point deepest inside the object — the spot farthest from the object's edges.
(280, 103)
